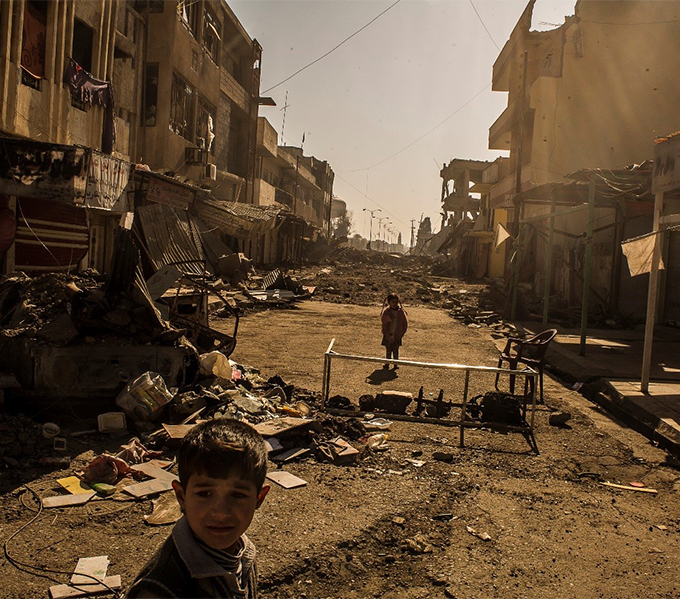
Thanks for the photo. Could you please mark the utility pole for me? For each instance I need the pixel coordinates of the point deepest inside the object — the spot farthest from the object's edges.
(370, 234)
(413, 232)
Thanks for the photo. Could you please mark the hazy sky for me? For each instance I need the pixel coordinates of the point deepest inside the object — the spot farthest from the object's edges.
(418, 64)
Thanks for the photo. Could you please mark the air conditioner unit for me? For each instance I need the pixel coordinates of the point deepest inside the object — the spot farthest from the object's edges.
(210, 171)
(195, 155)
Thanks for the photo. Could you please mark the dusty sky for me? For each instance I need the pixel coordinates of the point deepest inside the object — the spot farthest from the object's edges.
(419, 63)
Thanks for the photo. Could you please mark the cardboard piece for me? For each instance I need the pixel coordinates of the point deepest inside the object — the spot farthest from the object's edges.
(67, 500)
(154, 471)
(149, 487)
(178, 431)
(62, 591)
(628, 488)
(279, 425)
(286, 479)
(74, 485)
(92, 566)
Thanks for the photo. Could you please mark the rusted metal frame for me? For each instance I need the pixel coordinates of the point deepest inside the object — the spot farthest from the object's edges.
(463, 422)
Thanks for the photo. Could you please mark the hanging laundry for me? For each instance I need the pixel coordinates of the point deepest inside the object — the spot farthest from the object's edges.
(501, 235)
(85, 88)
(640, 252)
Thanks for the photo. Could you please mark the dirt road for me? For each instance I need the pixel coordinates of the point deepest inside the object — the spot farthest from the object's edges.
(554, 532)
(387, 528)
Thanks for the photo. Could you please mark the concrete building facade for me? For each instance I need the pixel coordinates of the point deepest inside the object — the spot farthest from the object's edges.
(201, 96)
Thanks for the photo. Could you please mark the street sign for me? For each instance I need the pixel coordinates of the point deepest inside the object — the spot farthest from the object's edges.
(666, 174)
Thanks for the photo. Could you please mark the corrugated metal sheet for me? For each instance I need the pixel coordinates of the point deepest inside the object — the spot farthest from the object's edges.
(51, 236)
(170, 238)
(213, 247)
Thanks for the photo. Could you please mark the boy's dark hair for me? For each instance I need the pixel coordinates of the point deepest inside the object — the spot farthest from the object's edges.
(390, 297)
(220, 447)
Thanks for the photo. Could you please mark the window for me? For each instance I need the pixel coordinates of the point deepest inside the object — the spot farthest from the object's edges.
(205, 126)
(82, 44)
(33, 43)
(150, 95)
(211, 35)
(141, 6)
(81, 52)
(187, 11)
(181, 107)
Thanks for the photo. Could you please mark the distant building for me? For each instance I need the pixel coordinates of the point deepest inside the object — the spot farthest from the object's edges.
(286, 176)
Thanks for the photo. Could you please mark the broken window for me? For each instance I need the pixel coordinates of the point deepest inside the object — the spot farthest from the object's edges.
(228, 64)
(150, 95)
(181, 107)
(187, 11)
(211, 35)
(33, 43)
(205, 126)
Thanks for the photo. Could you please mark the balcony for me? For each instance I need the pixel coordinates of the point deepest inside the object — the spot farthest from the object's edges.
(500, 133)
(234, 90)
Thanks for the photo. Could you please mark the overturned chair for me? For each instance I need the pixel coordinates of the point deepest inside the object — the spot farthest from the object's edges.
(530, 352)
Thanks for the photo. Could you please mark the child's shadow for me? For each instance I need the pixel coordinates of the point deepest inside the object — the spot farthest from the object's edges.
(381, 375)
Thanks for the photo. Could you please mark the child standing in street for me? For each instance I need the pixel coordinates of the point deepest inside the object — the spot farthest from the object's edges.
(394, 325)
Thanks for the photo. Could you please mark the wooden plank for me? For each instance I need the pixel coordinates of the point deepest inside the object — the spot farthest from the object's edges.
(74, 485)
(154, 471)
(94, 567)
(149, 487)
(629, 488)
(62, 591)
(286, 479)
(67, 500)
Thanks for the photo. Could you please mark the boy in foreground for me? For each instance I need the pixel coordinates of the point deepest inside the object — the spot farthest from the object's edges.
(222, 468)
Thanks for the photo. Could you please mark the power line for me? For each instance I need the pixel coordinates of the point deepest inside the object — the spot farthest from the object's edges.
(372, 200)
(483, 25)
(332, 49)
(454, 113)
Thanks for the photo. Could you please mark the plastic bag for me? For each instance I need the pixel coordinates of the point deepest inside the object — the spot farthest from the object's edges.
(144, 397)
(215, 363)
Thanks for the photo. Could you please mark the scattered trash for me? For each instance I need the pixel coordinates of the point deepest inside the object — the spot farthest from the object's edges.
(661, 526)
(418, 544)
(398, 520)
(392, 402)
(291, 454)
(67, 500)
(111, 422)
(377, 424)
(444, 517)
(144, 398)
(416, 463)
(166, 510)
(577, 386)
(637, 484)
(480, 535)
(150, 487)
(559, 418)
(89, 578)
(105, 469)
(74, 485)
(286, 479)
(630, 488)
(50, 430)
(377, 442)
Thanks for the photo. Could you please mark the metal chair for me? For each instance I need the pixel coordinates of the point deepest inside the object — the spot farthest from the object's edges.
(530, 352)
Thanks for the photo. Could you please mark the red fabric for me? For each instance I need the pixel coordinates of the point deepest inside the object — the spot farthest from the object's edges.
(394, 325)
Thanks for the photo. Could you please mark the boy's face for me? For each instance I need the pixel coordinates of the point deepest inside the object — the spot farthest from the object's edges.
(219, 510)
(393, 303)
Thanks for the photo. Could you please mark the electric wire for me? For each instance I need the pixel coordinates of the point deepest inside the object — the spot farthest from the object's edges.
(44, 572)
(332, 49)
(484, 25)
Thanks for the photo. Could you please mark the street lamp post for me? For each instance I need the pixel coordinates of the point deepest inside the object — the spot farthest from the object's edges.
(370, 234)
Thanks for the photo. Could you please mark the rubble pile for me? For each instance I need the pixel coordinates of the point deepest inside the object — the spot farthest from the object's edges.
(21, 441)
(59, 309)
